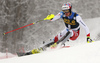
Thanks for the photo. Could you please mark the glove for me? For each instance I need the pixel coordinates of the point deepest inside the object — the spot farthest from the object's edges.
(89, 40)
(49, 17)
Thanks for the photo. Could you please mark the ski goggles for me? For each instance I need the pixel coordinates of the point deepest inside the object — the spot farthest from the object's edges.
(66, 11)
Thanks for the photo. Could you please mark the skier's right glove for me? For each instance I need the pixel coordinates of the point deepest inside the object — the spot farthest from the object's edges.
(49, 17)
(89, 40)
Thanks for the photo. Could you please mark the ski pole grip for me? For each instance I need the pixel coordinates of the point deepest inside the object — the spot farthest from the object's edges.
(3, 33)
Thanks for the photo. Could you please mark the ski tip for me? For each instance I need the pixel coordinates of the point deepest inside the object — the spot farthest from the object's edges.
(20, 54)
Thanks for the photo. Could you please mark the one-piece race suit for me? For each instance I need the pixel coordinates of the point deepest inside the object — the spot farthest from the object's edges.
(72, 23)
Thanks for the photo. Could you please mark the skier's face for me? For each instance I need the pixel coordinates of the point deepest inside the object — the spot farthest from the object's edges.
(67, 14)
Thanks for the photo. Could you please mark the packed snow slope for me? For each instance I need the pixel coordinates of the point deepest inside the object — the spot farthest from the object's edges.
(87, 53)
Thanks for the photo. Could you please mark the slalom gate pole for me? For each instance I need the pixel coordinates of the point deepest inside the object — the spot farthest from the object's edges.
(21, 27)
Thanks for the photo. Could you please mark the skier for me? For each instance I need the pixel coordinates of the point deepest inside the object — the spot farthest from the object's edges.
(72, 22)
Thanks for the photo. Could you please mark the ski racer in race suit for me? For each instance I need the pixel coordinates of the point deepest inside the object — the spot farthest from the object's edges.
(72, 22)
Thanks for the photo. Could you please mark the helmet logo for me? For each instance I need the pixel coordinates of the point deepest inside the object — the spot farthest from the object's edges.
(66, 6)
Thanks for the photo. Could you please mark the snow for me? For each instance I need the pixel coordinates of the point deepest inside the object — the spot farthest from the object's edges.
(86, 53)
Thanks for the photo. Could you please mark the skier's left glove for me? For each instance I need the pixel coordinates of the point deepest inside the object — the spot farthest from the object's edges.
(49, 17)
(89, 40)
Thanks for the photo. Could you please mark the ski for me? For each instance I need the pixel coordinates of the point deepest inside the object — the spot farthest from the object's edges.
(20, 54)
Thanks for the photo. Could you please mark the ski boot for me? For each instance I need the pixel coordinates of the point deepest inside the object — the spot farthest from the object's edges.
(53, 45)
(35, 51)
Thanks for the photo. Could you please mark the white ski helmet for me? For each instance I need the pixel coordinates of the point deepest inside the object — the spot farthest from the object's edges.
(67, 6)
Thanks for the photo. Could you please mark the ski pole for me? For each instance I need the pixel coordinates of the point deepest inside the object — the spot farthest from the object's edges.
(21, 27)
(47, 18)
